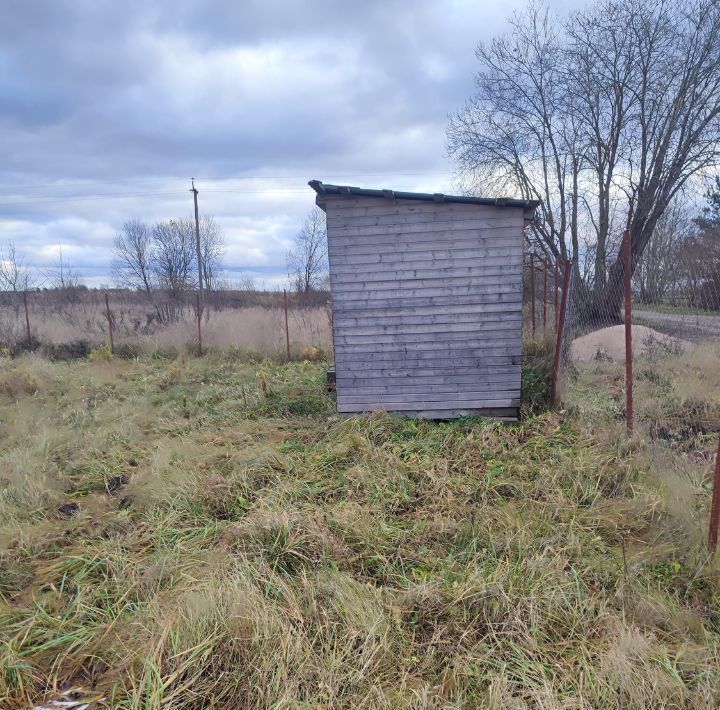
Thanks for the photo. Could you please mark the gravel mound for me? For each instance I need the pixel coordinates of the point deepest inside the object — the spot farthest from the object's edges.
(609, 343)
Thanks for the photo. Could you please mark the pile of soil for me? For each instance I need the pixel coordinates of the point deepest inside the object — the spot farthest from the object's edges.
(609, 343)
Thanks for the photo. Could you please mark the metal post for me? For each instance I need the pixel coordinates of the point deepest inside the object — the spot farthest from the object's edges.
(715, 505)
(561, 326)
(545, 265)
(27, 317)
(556, 294)
(629, 415)
(199, 295)
(198, 304)
(532, 291)
(110, 323)
(287, 327)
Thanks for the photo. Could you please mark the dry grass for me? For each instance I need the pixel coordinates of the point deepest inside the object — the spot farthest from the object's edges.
(255, 328)
(237, 545)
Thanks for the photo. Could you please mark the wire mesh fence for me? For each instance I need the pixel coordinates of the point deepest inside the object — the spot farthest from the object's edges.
(643, 337)
(672, 312)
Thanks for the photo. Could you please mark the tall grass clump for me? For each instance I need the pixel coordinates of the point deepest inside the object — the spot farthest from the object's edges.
(188, 532)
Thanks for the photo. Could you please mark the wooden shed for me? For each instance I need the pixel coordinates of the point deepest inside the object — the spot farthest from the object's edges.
(426, 300)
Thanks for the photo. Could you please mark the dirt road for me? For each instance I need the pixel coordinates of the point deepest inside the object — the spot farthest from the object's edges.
(695, 327)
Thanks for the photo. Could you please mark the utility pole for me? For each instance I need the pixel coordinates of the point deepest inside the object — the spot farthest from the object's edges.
(199, 268)
(197, 239)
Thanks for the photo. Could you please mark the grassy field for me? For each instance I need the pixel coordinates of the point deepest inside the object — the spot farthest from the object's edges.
(256, 327)
(187, 533)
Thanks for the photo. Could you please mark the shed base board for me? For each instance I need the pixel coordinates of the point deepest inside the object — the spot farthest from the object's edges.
(505, 414)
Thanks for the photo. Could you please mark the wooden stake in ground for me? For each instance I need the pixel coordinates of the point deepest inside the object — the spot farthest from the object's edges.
(629, 415)
(715, 505)
(27, 317)
(287, 327)
(559, 338)
(110, 323)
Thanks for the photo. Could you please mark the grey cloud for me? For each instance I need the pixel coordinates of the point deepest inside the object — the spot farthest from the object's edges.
(134, 97)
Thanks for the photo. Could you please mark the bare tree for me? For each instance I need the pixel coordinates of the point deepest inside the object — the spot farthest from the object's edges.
(133, 258)
(307, 260)
(63, 276)
(14, 272)
(173, 255)
(164, 255)
(657, 274)
(603, 118)
(212, 251)
(516, 136)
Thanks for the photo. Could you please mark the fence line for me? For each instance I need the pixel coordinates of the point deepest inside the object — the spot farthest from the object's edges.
(634, 318)
(79, 320)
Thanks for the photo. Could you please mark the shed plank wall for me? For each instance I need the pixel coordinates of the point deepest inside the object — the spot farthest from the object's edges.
(427, 305)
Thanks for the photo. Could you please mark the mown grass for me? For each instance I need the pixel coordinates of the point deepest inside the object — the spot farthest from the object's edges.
(236, 544)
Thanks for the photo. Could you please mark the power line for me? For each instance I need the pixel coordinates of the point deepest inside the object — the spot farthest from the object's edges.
(32, 200)
(217, 178)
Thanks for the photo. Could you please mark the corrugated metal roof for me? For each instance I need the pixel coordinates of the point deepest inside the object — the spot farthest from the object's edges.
(325, 189)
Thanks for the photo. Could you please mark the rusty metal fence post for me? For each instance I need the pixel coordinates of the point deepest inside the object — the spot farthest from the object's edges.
(198, 305)
(532, 291)
(629, 414)
(27, 317)
(555, 308)
(110, 323)
(545, 269)
(715, 505)
(560, 329)
(287, 326)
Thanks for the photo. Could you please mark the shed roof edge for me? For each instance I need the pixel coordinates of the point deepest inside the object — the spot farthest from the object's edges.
(349, 190)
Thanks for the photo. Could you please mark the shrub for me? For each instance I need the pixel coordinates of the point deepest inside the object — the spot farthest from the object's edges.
(72, 350)
(17, 382)
(127, 351)
(101, 354)
(536, 376)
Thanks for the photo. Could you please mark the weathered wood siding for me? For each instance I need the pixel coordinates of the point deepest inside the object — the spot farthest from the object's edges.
(427, 305)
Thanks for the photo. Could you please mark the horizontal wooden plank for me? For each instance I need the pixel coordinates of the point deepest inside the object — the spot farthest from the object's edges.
(464, 325)
(478, 346)
(439, 383)
(478, 268)
(365, 206)
(425, 260)
(415, 290)
(358, 252)
(395, 245)
(389, 322)
(353, 362)
(507, 414)
(407, 259)
(451, 307)
(418, 227)
(392, 382)
(342, 283)
(500, 398)
(342, 221)
(427, 393)
(478, 275)
(422, 334)
(421, 368)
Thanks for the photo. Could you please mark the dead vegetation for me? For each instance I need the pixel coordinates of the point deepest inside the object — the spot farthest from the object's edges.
(235, 544)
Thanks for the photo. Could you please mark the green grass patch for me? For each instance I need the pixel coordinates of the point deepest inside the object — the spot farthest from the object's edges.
(235, 543)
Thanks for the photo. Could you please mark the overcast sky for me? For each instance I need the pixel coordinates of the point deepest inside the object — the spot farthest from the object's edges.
(107, 109)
